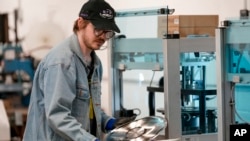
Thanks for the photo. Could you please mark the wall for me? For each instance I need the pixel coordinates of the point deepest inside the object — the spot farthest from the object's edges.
(64, 12)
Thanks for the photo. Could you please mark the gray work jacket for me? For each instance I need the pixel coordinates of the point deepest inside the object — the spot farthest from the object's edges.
(59, 104)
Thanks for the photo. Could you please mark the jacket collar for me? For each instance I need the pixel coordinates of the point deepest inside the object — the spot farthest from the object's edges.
(75, 47)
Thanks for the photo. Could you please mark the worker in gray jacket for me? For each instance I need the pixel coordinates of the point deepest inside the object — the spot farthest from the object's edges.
(65, 102)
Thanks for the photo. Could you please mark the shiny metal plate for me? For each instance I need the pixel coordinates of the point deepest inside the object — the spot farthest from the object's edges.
(143, 129)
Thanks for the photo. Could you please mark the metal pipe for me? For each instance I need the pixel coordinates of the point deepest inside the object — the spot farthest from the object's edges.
(161, 11)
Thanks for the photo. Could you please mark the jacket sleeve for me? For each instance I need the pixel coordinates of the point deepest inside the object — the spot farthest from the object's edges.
(59, 92)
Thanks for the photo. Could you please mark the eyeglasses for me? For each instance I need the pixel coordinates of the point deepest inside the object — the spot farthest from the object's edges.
(108, 33)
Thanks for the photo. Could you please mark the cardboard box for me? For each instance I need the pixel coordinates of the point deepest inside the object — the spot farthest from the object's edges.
(192, 20)
(185, 31)
(187, 25)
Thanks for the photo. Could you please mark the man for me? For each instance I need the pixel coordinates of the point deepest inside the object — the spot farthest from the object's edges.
(65, 100)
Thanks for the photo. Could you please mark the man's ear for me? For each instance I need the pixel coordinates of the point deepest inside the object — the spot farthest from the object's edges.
(80, 22)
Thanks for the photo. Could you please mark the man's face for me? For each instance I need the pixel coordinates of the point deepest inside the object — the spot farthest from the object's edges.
(89, 39)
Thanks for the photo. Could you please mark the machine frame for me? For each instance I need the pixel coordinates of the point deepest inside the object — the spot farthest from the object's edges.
(171, 49)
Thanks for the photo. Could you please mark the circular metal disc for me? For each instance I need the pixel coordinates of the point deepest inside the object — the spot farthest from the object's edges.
(142, 129)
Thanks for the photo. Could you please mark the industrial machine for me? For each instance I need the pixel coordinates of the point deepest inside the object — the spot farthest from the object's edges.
(19, 58)
(186, 69)
(17, 69)
(16, 75)
(133, 58)
(232, 49)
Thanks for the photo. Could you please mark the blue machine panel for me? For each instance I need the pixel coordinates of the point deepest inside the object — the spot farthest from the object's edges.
(237, 51)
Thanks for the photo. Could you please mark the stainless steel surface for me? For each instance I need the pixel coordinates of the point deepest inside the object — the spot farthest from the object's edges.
(142, 129)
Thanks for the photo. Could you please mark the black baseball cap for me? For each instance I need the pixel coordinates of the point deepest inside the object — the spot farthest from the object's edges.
(100, 14)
